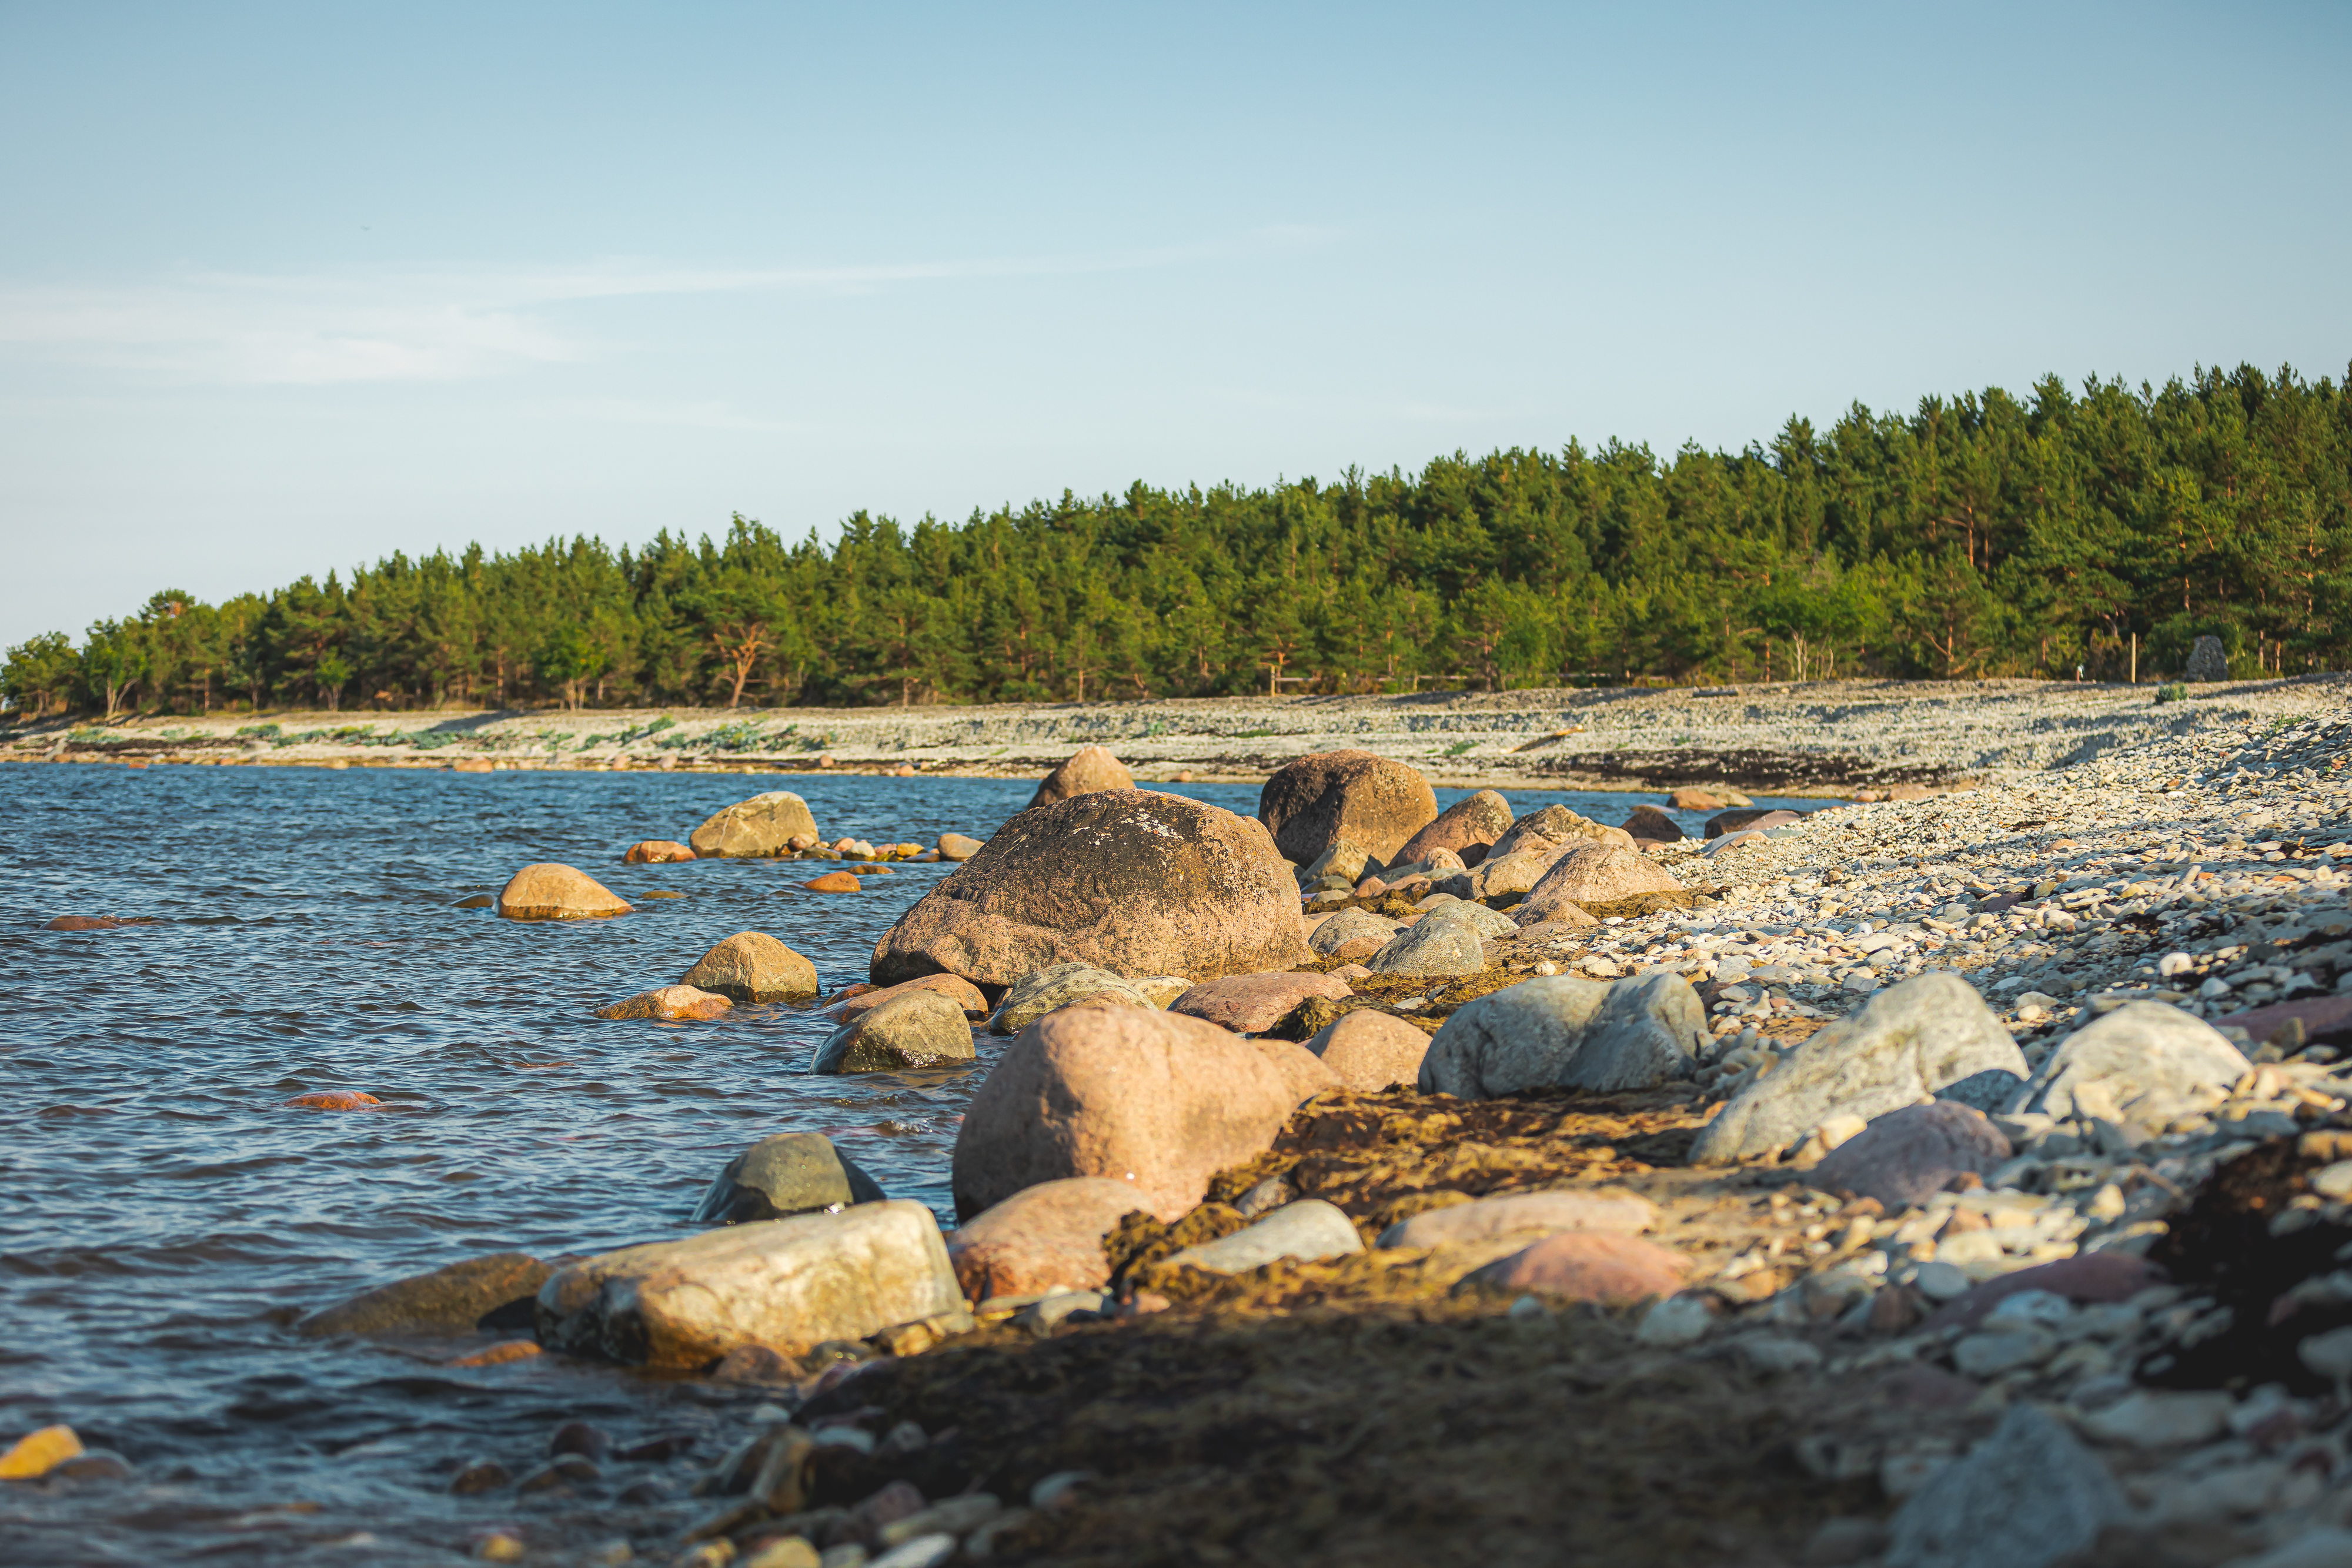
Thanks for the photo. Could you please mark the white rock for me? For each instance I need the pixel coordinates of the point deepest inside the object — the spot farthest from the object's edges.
(1940, 1281)
(1307, 1229)
(1774, 1353)
(1984, 1355)
(2027, 1496)
(2141, 1051)
(1675, 1321)
(2333, 1181)
(2037, 1309)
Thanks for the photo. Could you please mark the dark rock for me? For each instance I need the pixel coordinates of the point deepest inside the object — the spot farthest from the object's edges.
(579, 1438)
(1724, 823)
(453, 1300)
(2208, 661)
(917, 1029)
(481, 1476)
(1992, 1091)
(1648, 824)
(1906, 1156)
(1331, 797)
(791, 1173)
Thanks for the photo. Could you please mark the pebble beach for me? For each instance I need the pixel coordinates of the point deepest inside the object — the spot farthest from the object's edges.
(1951, 1179)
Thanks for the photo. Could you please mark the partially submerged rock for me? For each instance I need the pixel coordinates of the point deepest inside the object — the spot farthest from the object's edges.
(1705, 797)
(1560, 1032)
(832, 881)
(1133, 882)
(657, 851)
(1043, 1239)
(1650, 825)
(670, 1004)
(1310, 1230)
(1468, 828)
(784, 1283)
(1906, 1043)
(955, 988)
(549, 891)
(1905, 1156)
(37, 1453)
(1369, 1051)
(1086, 770)
(1125, 1092)
(456, 1299)
(1055, 986)
(1251, 1004)
(777, 1177)
(914, 1029)
(333, 1100)
(762, 825)
(753, 966)
(1326, 797)
(2137, 1066)
(958, 846)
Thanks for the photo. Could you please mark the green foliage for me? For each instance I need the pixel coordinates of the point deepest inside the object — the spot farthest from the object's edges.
(2172, 691)
(1980, 535)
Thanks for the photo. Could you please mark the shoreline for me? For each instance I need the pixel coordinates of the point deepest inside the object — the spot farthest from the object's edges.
(1825, 739)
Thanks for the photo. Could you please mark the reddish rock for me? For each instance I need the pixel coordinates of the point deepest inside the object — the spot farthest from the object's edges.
(1906, 1156)
(1089, 769)
(1588, 1266)
(1554, 830)
(83, 922)
(1468, 828)
(2083, 1278)
(1124, 880)
(1743, 821)
(1369, 1051)
(1127, 1092)
(1043, 1239)
(670, 1004)
(1251, 1004)
(855, 1000)
(657, 851)
(1597, 873)
(753, 966)
(333, 1100)
(1303, 1074)
(832, 881)
(1702, 798)
(551, 891)
(2323, 1019)
(1352, 797)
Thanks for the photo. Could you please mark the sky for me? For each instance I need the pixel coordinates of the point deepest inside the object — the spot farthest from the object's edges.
(287, 288)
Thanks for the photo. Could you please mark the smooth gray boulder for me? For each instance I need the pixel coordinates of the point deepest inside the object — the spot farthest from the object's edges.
(1433, 947)
(1486, 921)
(912, 1030)
(1560, 1032)
(1034, 995)
(1910, 1040)
(791, 1173)
(452, 1300)
(2025, 1498)
(1307, 1229)
(2137, 1066)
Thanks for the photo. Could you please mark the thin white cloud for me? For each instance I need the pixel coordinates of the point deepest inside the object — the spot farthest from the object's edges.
(414, 325)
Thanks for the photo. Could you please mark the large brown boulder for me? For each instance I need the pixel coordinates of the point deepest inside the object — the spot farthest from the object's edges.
(1469, 828)
(450, 1299)
(1087, 771)
(1252, 1004)
(657, 851)
(1043, 1239)
(1597, 873)
(784, 1283)
(1650, 825)
(1555, 830)
(550, 892)
(955, 988)
(762, 825)
(1130, 881)
(670, 1004)
(1154, 1098)
(914, 1029)
(1352, 797)
(753, 966)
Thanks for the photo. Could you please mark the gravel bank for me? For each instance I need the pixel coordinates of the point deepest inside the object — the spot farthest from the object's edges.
(1822, 737)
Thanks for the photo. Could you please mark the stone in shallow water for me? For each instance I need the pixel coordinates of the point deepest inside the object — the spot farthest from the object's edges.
(791, 1173)
(670, 1004)
(456, 1299)
(551, 891)
(753, 966)
(657, 851)
(917, 1029)
(788, 1283)
(762, 825)
(37, 1453)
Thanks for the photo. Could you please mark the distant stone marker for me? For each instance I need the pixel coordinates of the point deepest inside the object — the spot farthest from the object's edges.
(2207, 662)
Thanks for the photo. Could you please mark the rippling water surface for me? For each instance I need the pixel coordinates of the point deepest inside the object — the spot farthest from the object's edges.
(166, 1218)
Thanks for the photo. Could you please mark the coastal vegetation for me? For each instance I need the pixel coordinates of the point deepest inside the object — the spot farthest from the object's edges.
(2099, 529)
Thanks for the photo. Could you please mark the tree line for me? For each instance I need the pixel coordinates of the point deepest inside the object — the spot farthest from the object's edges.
(1981, 535)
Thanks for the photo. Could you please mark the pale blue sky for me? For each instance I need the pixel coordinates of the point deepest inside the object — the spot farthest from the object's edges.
(286, 287)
